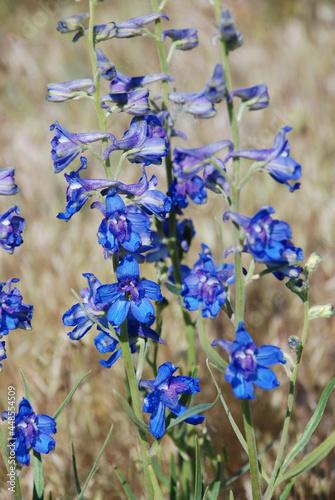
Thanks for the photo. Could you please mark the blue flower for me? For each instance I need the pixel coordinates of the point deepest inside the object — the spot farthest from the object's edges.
(228, 32)
(134, 103)
(193, 187)
(11, 227)
(276, 160)
(195, 104)
(76, 316)
(166, 389)
(123, 83)
(74, 89)
(255, 98)
(268, 241)
(7, 182)
(206, 287)
(72, 23)
(249, 364)
(3, 354)
(105, 67)
(13, 313)
(183, 39)
(31, 431)
(129, 294)
(66, 146)
(127, 226)
(215, 89)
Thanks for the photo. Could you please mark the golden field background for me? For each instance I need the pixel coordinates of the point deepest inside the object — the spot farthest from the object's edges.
(290, 46)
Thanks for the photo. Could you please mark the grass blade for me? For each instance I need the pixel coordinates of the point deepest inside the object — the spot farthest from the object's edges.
(69, 396)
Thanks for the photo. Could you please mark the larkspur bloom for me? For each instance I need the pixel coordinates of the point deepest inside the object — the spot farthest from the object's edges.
(214, 180)
(228, 32)
(134, 102)
(269, 241)
(215, 89)
(183, 39)
(205, 286)
(72, 23)
(13, 313)
(255, 98)
(11, 227)
(144, 142)
(66, 146)
(31, 431)
(123, 83)
(129, 294)
(166, 389)
(77, 316)
(74, 89)
(277, 161)
(125, 226)
(105, 67)
(195, 104)
(125, 29)
(249, 364)
(3, 354)
(188, 162)
(193, 187)
(7, 182)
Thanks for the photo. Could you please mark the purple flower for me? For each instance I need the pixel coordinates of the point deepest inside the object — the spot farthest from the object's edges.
(127, 226)
(228, 32)
(249, 364)
(269, 241)
(215, 89)
(214, 180)
(76, 316)
(188, 162)
(123, 83)
(166, 389)
(205, 287)
(144, 141)
(134, 103)
(73, 23)
(11, 227)
(2, 353)
(193, 187)
(183, 39)
(255, 98)
(13, 313)
(31, 431)
(276, 160)
(7, 182)
(195, 104)
(105, 67)
(74, 89)
(129, 294)
(66, 146)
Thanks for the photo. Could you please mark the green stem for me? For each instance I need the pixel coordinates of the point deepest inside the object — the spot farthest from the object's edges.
(278, 463)
(251, 441)
(135, 397)
(96, 78)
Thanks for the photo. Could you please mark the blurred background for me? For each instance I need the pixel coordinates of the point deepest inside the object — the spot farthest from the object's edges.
(290, 46)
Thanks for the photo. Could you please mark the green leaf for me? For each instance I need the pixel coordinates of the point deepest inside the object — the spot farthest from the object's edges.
(311, 460)
(205, 497)
(214, 493)
(231, 495)
(75, 471)
(69, 396)
(311, 426)
(211, 353)
(95, 465)
(155, 485)
(175, 289)
(124, 484)
(197, 480)
(287, 489)
(26, 390)
(131, 415)
(38, 491)
(173, 479)
(159, 473)
(189, 413)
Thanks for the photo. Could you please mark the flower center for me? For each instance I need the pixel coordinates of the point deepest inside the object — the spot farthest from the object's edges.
(246, 360)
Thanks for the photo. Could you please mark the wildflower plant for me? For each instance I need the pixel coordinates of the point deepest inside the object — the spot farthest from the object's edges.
(144, 229)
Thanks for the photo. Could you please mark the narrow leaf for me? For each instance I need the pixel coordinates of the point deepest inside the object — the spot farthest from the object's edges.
(131, 415)
(95, 465)
(287, 489)
(26, 390)
(211, 353)
(155, 485)
(69, 396)
(175, 289)
(311, 426)
(124, 484)
(161, 476)
(214, 493)
(189, 413)
(38, 491)
(173, 479)
(197, 481)
(205, 497)
(311, 460)
(75, 470)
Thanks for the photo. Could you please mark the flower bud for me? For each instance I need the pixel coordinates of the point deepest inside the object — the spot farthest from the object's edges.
(184, 39)
(73, 23)
(216, 87)
(313, 260)
(294, 344)
(228, 32)
(255, 98)
(326, 311)
(74, 89)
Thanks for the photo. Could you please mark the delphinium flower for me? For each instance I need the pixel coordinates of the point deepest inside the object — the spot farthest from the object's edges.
(66, 146)
(3, 354)
(129, 294)
(249, 364)
(269, 241)
(11, 227)
(7, 182)
(72, 23)
(31, 431)
(276, 160)
(195, 104)
(166, 389)
(134, 102)
(205, 286)
(13, 313)
(228, 32)
(255, 98)
(73, 89)
(215, 89)
(183, 39)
